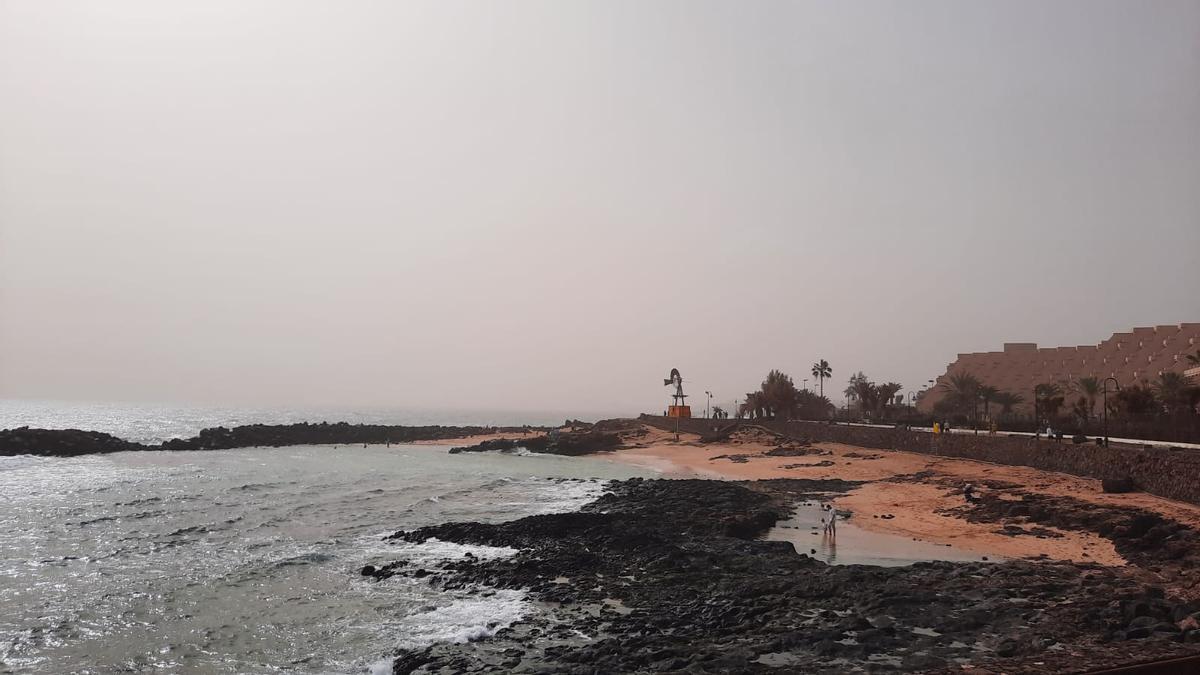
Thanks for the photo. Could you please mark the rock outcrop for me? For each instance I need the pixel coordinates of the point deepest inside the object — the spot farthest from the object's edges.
(564, 443)
(60, 442)
(671, 576)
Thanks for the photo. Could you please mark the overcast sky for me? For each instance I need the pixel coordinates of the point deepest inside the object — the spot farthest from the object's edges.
(547, 205)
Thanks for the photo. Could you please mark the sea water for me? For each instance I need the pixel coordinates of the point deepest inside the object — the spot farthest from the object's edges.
(155, 423)
(247, 561)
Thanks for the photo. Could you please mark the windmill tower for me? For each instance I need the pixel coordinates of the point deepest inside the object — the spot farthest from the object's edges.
(679, 407)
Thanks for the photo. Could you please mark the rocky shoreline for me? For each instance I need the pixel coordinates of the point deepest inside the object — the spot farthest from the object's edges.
(569, 443)
(74, 442)
(673, 576)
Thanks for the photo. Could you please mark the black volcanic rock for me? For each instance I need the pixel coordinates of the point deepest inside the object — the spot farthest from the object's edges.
(1117, 485)
(324, 433)
(60, 442)
(71, 442)
(565, 443)
(671, 576)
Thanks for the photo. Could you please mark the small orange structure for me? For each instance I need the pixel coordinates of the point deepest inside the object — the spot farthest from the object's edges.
(679, 407)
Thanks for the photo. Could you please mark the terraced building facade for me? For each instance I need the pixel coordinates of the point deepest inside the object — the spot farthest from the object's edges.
(1139, 355)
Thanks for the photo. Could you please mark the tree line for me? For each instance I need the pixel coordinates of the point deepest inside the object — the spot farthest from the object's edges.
(778, 397)
(1171, 394)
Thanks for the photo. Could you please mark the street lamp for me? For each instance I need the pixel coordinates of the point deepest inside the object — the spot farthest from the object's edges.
(806, 384)
(1105, 411)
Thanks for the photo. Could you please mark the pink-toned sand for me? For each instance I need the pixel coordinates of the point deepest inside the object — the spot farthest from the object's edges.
(915, 506)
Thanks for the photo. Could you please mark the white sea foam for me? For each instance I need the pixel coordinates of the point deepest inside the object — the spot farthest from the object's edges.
(565, 496)
(433, 551)
(381, 667)
(464, 620)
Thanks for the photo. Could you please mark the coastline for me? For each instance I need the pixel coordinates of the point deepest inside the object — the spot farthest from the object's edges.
(719, 553)
(919, 492)
(677, 575)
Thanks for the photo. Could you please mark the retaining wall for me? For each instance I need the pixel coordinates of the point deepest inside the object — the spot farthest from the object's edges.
(1170, 473)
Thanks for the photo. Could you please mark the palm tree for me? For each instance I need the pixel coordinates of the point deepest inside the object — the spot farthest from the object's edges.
(885, 393)
(1172, 391)
(1007, 400)
(1090, 388)
(1135, 400)
(1049, 399)
(961, 390)
(864, 391)
(821, 371)
(988, 393)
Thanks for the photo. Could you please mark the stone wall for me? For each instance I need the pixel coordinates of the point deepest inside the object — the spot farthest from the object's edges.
(1170, 473)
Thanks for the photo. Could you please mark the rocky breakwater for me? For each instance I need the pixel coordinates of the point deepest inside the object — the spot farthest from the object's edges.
(72, 442)
(573, 438)
(670, 576)
(564, 443)
(60, 442)
(323, 433)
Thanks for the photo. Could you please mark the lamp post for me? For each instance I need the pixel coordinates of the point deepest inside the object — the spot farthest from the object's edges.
(806, 384)
(1105, 410)
(707, 403)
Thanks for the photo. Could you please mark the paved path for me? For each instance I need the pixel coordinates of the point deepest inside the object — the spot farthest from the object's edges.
(1136, 442)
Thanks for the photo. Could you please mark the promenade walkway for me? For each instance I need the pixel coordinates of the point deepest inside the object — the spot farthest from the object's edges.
(1113, 440)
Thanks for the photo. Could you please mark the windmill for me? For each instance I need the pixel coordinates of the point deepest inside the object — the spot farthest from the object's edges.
(679, 407)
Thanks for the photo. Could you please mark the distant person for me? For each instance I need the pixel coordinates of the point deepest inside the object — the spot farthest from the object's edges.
(937, 428)
(969, 493)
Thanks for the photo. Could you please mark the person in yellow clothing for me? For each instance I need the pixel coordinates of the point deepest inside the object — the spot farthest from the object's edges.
(937, 428)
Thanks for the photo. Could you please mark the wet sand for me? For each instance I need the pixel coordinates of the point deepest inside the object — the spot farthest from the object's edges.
(916, 506)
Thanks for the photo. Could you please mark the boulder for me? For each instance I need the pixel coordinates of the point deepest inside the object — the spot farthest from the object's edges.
(1117, 485)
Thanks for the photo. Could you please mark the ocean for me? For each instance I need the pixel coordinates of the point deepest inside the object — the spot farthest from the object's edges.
(247, 561)
(155, 423)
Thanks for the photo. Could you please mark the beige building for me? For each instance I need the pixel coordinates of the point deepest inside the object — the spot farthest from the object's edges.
(1139, 355)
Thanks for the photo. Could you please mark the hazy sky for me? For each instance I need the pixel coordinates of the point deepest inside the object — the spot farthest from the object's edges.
(531, 205)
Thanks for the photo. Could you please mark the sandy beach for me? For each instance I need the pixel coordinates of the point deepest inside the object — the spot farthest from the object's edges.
(919, 506)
